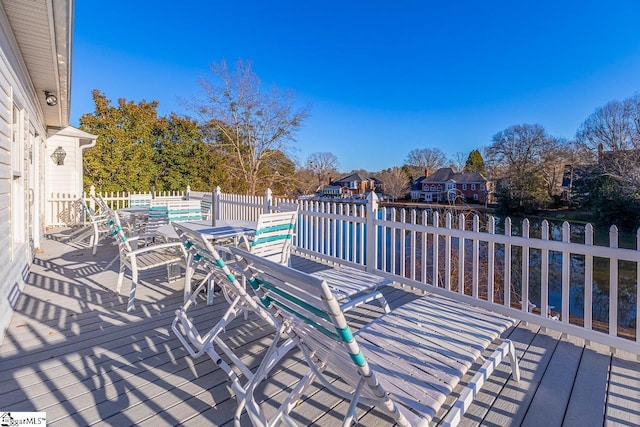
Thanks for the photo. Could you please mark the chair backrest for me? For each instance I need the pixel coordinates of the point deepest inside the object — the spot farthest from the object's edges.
(308, 307)
(205, 255)
(274, 234)
(167, 199)
(184, 210)
(103, 207)
(136, 200)
(158, 216)
(206, 205)
(118, 233)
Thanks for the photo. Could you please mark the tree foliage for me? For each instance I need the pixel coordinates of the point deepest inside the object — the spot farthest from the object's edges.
(184, 158)
(137, 150)
(475, 162)
(611, 138)
(425, 159)
(395, 182)
(250, 125)
(458, 161)
(123, 157)
(322, 165)
(517, 155)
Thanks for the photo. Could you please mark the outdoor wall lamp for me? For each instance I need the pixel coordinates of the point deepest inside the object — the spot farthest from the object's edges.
(58, 156)
(52, 100)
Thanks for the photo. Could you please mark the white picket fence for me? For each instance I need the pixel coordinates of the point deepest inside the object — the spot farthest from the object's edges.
(61, 211)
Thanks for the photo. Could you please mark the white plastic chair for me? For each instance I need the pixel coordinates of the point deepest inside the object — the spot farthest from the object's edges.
(136, 200)
(405, 363)
(136, 259)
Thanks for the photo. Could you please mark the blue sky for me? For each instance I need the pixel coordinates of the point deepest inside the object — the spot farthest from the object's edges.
(382, 77)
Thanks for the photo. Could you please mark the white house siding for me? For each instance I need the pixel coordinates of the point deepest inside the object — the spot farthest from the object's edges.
(20, 168)
(62, 181)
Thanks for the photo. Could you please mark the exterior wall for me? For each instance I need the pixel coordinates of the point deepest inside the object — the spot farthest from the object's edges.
(62, 181)
(21, 149)
(480, 191)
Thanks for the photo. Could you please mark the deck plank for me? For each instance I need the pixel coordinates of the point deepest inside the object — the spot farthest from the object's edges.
(550, 401)
(623, 403)
(587, 405)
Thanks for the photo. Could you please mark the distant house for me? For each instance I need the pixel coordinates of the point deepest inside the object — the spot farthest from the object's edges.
(349, 186)
(445, 185)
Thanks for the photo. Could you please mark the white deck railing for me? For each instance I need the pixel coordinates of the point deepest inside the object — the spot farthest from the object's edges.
(463, 258)
(460, 257)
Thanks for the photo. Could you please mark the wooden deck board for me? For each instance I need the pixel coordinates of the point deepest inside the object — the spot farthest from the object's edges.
(74, 352)
(549, 403)
(587, 405)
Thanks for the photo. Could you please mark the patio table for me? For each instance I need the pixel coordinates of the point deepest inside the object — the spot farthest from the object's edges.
(134, 215)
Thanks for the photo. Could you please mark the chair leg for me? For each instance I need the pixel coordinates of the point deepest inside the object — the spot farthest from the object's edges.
(515, 368)
(132, 293)
(120, 276)
(383, 303)
(95, 240)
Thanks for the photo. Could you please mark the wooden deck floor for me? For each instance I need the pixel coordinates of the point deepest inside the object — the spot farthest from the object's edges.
(74, 352)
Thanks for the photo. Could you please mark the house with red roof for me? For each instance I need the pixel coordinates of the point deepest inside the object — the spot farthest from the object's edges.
(445, 185)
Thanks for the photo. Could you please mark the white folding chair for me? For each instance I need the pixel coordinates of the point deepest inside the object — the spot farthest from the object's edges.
(136, 259)
(406, 362)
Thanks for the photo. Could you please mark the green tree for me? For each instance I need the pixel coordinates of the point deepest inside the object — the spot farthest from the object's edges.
(278, 174)
(247, 123)
(184, 157)
(475, 162)
(123, 157)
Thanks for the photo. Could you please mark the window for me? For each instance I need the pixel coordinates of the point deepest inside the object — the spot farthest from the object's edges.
(464, 186)
(17, 185)
(433, 187)
(439, 187)
(473, 186)
(475, 197)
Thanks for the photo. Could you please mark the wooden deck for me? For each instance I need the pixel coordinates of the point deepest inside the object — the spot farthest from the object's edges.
(74, 352)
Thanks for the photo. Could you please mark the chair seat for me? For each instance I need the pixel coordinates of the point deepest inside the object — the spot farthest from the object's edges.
(433, 354)
(158, 258)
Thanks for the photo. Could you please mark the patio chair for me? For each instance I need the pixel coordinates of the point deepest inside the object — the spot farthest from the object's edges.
(204, 255)
(137, 259)
(158, 216)
(206, 206)
(136, 200)
(184, 210)
(99, 223)
(273, 236)
(353, 287)
(405, 363)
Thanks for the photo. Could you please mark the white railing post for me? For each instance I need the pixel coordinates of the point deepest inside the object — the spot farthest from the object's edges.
(215, 205)
(372, 215)
(524, 290)
(613, 283)
(268, 201)
(92, 194)
(188, 195)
